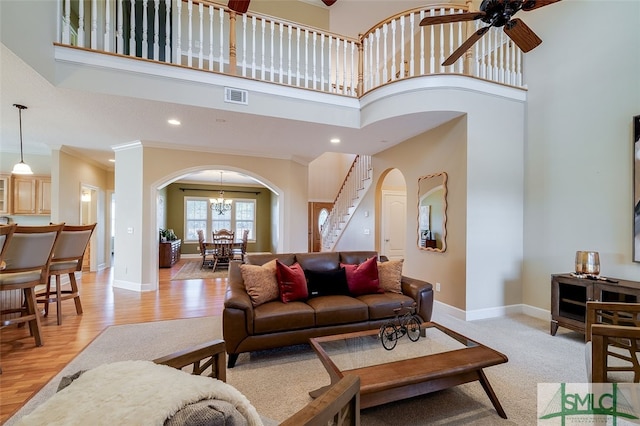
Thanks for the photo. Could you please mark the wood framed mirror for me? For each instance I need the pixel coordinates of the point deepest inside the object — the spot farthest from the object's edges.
(432, 212)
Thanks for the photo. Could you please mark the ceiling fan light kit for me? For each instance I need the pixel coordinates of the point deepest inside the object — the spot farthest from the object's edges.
(495, 13)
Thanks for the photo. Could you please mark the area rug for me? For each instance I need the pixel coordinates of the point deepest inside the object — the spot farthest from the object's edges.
(278, 382)
(192, 270)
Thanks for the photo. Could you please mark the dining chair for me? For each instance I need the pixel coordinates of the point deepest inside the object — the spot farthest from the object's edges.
(222, 246)
(239, 250)
(6, 233)
(27, 260)
(206, 250)
(67, 259)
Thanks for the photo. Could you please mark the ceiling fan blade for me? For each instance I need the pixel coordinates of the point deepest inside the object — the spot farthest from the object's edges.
(522, 35)
(536, 4)
(448, 19)
(465, 46)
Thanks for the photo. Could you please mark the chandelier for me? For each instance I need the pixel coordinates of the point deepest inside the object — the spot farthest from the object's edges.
(21, 168)
(219, 204)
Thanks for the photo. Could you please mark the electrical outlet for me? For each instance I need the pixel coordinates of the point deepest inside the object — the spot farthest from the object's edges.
(437, 286)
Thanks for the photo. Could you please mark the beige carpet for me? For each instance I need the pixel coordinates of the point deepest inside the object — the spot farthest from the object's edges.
(192, 271)
(277, 382)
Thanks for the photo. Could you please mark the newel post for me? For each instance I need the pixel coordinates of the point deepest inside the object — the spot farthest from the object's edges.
(468, 57)
(233, 60)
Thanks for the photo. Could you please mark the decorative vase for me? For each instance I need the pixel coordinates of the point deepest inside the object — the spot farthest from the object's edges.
(587, 262)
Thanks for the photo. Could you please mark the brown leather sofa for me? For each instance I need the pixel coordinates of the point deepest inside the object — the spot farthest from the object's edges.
(275, 324)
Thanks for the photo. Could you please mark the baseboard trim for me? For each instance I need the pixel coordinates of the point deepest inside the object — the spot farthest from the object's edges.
(496, 312)
(128, 285)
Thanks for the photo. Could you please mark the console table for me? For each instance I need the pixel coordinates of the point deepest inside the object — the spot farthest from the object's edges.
(169, 253)
(569, 296)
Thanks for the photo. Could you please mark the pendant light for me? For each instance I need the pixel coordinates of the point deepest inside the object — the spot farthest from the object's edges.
(220, 205)
(21, 168)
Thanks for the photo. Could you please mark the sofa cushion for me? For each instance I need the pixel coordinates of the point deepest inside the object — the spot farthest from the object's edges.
(332, 310)
(356, 257)
(292, 282)
(363, 278)
(277, 316)
(390, 275)
(262, 258)
(327, 283)
(325, 261)
(261, 282)
(382, 305)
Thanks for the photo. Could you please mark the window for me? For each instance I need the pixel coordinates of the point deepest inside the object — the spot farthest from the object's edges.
(198, 215)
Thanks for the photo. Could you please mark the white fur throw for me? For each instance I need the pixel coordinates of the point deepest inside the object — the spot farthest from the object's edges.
(133, 393)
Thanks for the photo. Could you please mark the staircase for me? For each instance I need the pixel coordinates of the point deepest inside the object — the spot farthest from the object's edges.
(355, 185)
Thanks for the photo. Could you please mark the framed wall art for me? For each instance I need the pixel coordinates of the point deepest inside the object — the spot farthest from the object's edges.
(636, 188)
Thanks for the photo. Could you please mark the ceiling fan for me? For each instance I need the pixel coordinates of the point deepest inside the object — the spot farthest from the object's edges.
(496, 13)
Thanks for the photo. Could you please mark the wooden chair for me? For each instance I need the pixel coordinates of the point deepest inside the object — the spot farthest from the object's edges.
(27, 261)
(6, 233)
(206, 250)
(613, 328)
(222, 247)
(339, 405)
(67, 259)
(238, 252)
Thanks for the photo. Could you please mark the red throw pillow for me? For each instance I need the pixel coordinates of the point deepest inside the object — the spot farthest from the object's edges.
(291, 281)
(363, 278)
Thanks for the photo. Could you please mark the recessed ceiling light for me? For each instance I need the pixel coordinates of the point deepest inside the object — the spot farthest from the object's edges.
(112, 160)
(334, 140)
(173, 122)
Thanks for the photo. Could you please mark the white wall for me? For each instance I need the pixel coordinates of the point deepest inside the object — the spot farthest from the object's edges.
(584, 88)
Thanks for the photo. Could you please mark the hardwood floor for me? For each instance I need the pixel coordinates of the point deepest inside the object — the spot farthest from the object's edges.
(27, 368)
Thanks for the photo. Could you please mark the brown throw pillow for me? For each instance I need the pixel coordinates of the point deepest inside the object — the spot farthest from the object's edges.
(261, 282)
(390, 275)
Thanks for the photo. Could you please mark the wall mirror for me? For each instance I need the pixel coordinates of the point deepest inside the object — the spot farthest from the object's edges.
(432, 212)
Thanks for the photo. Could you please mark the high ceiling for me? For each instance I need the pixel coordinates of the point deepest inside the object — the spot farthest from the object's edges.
(91, 124)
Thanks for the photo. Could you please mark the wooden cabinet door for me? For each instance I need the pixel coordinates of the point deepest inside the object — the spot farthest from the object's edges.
(44, 196)
(4, 194)
(24, 195)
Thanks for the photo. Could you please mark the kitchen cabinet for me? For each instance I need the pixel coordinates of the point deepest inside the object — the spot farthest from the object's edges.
(31, 195)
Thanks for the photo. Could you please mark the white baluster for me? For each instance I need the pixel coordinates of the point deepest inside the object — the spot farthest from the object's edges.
(211, 30)
(393, 50)
(178, 58)
(132, 32)
(298, 57)
(190, 33)
(66, 23)
(167, 31)
(484, 62)
(432, 47)
(402, 29)
(253, 49)
(476, 59)
(441, 43)
(354, 71)
(422, 69)
(289, 40)
(412, 53)
(271, 37)
(378, 68)
(80, 40)
(145, 30)
(94, 24)
(200, 35)
(384, 54)
(344, 67)
(306, 58)
(314, 66)
(460, 41)
(156, 30)
(119, 28)
(502, 47)
(106, 40)
(322, 74)
(494, 74)
(244, 44)
(281, 51)
(337, 66)
(262, 64)
(451, 45)
(222, 40)
(519, 67)
(330, 77)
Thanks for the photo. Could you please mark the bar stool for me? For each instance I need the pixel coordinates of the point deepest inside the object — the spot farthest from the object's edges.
(27, 259)
(67, 259)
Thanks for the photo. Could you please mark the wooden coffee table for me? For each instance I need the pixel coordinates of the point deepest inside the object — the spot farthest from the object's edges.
(440, 359)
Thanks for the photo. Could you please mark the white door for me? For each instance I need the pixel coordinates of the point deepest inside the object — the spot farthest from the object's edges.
(394, 220)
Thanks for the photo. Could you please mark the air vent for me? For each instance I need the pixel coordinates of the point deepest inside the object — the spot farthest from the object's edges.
(236, 96)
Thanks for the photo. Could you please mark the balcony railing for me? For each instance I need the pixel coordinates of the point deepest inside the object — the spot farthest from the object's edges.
(210, 37)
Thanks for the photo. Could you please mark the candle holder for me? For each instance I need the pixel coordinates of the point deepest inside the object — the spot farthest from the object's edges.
(587, 263)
